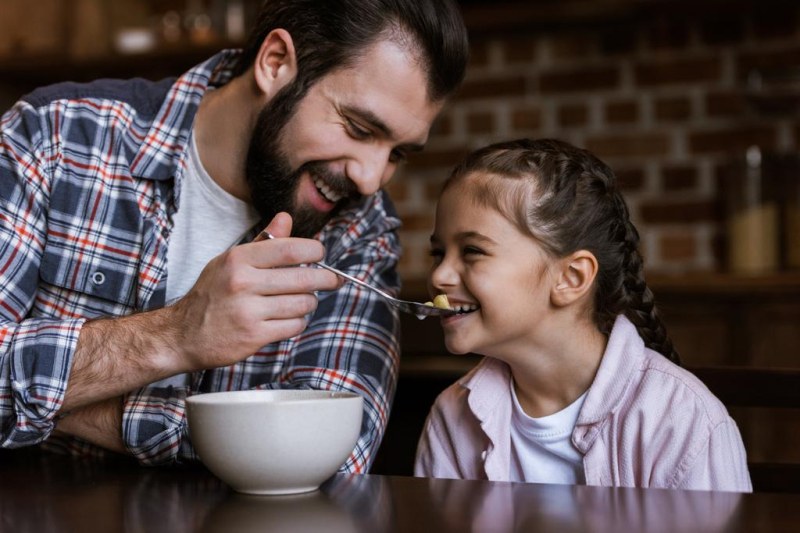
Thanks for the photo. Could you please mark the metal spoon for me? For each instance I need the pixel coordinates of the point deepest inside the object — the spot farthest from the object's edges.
(417, 309)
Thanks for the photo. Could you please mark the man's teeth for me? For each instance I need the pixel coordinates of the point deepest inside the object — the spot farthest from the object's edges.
(326, 191)
(465, 308)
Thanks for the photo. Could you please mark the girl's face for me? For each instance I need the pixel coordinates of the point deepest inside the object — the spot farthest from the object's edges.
(497, 275)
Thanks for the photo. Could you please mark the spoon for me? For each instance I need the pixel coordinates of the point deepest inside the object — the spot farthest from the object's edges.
(417, 309)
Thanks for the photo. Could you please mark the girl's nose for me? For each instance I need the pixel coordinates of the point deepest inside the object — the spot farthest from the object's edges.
(443, 275)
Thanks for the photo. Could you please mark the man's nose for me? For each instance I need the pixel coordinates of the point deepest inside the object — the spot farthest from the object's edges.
(370, 170)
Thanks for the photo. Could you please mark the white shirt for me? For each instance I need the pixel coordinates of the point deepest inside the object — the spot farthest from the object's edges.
(542, 449)
(208, 222)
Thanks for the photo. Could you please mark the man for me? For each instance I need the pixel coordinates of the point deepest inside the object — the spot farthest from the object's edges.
(130, 271)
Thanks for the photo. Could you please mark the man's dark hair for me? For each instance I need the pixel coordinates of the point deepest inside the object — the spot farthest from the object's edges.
(331, 34)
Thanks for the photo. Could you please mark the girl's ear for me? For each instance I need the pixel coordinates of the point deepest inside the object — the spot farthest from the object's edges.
(575, 280)
(275, 65)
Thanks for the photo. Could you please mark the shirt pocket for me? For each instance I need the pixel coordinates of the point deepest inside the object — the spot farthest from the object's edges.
(102, 268)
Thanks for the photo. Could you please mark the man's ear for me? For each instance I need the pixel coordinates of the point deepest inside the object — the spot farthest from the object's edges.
(575, 280)
(275, 65)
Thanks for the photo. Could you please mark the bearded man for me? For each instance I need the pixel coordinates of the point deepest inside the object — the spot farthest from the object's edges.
(132, 276)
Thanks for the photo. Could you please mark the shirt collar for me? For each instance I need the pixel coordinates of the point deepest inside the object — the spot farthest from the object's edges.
(623, 358)
(162, 153)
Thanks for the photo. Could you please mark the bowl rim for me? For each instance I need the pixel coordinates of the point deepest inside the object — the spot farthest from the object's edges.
(248, 396)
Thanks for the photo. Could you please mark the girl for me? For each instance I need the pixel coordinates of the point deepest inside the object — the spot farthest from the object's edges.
(580, 384)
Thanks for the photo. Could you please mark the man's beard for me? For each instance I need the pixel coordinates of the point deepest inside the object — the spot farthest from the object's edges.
(272, 181)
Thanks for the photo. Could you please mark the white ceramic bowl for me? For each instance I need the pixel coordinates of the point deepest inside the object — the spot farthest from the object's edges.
(274, 441)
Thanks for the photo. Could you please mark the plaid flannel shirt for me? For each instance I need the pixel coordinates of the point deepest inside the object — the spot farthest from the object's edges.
(89, 181)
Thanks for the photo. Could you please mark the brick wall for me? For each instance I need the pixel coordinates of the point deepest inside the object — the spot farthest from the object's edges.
(663, 97)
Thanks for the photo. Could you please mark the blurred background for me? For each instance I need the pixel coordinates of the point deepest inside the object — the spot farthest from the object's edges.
(695, 104)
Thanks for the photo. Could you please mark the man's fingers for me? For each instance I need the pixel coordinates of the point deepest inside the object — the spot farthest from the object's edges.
(280, 225)
(293, 280)
(276, 253)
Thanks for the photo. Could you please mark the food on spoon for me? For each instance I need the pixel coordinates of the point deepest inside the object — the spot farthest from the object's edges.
(440, 301)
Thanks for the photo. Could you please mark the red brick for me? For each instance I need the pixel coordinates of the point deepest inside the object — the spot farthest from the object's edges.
(679, 178)
(678, 108)
(629, 179)
(418, 222)
(664, 33)
(480, 122)
(777, 22)
(573, 45)
(678, 247)
(526, 119)
(693, 70)
(433, 189)
(398, 190)
(493, 88)
(430, 158)
(797, 137)
(720, 104)
(677, 212)
(722, 28)
(478, 54)
(573, 115)
(642, 144)
(580, 79)
(768, 61)
(733, 140)
(412, 257)
(620, 40)
(442, 126)
(622, 112)
(519, 50)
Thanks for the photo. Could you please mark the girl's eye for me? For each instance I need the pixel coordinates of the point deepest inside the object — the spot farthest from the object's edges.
(436, 254)
(470, 250)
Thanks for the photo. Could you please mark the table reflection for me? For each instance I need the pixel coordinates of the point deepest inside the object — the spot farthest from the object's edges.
(525, 507)
(53, 493)
(345, 504)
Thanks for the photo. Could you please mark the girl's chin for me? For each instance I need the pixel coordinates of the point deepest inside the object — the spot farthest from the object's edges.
(456, 349)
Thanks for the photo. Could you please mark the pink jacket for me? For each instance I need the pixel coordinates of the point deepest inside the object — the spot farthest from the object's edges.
(645, 422)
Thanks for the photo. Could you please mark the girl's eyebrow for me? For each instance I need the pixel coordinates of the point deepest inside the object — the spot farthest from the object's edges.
(464, 235)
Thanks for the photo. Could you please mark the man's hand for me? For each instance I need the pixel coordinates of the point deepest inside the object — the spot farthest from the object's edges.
(250, 296)
(247, 297)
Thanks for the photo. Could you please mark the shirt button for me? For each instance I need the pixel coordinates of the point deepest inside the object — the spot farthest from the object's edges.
(98, 278)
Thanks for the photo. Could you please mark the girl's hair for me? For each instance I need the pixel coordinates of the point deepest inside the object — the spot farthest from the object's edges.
(568, 200)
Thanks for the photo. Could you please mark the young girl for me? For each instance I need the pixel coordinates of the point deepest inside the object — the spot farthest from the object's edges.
(580, 383)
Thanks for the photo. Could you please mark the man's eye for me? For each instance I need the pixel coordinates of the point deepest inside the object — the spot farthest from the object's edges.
(398, 156)
(357, 131)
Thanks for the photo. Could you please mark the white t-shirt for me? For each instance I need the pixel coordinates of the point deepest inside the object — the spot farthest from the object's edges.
(208, 222)
(542, 449)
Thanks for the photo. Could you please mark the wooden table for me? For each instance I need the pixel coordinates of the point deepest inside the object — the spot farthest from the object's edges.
(44, 493)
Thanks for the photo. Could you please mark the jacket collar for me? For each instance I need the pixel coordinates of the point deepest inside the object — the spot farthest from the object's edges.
(624, 356)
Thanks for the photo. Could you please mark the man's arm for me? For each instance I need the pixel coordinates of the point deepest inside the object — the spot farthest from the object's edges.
(351, 344)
